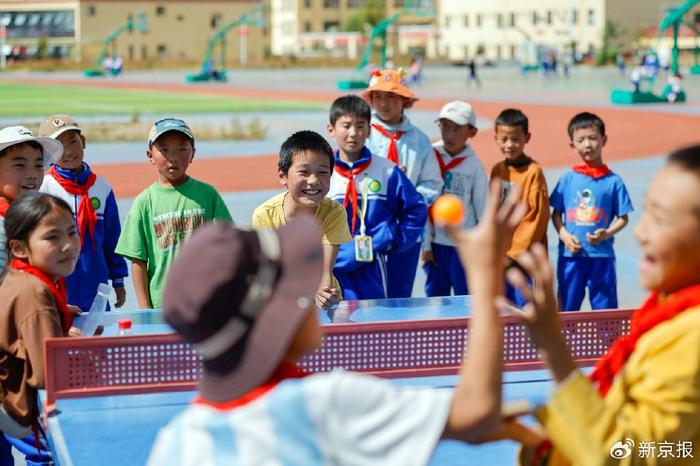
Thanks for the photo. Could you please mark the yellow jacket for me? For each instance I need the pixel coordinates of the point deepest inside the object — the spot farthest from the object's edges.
(654, 398)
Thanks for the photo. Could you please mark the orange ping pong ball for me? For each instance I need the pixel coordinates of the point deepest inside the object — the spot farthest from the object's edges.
(448, 210)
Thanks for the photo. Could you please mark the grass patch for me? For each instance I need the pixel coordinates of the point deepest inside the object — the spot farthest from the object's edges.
(41, 100)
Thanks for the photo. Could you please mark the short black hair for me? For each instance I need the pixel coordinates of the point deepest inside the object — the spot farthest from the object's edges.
(350, 105)
(687, 159)
(30, 143)
(303, 141)
(586, 120)
(513, 117)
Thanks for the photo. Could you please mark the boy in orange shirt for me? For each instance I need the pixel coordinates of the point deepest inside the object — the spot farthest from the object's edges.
(512, 134)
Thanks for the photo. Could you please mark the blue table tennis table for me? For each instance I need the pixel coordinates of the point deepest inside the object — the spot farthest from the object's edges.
(119, 430)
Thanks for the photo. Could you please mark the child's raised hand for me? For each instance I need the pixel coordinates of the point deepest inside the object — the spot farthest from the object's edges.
(483, 248)
(540, 314)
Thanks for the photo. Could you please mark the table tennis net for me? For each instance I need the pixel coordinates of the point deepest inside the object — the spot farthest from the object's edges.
(100, 366)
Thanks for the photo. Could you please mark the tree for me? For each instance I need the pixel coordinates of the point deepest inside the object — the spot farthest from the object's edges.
(371, 13)
(610, 46)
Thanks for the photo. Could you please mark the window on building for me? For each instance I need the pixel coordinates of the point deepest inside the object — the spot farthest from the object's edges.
(591, 17)
(499, 20)
(331, 26)
(465, 51)
(574, 16)
(131, 52)
(511, 20)
(162, 50)
(215, 20)
(398, 3)
(331, 3)
(447, 51)
(465, 21)
(90, 10)
(535, 18)
(478, 20)
(513, 52)
(307, 4)
(447, 21)
(307, 26)
(549, 17)
(697, 18)
(498, 52)
(144, 52)
(355, 3)
(180, 18)
(160, 10)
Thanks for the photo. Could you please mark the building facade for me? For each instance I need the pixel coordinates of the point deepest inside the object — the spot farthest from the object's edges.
(177, 29)
(497, 29)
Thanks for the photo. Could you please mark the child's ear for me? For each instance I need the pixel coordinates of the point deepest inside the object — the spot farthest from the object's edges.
(149, 154)
(282, 178)
(82, 138)
(18, 249)
(472, 131)
(571, 144)
(193, 151)
(605, 140)
(331, 130)
(527, 138)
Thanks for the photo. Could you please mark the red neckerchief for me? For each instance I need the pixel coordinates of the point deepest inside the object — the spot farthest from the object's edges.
(445, 168)
(393, 153)
(4, 205)
(593, 172)
(284, 371)
(87, 218)
(58, 290)
(351, 190)
(654, 311)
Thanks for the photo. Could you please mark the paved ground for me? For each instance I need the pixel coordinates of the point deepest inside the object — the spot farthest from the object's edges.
(245, 172)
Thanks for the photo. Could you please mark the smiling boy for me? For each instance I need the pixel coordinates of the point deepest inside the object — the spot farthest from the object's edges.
(165, 214)
(95, 211)
(590, 205)
(23, 160)
(304, 168)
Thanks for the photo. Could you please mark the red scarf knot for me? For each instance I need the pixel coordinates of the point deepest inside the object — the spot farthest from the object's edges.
(393, 153)
(593, 172)
(87, 217)
(654, 311)
(4, 205)
(57, 289)
(444, 168)
(351, 189)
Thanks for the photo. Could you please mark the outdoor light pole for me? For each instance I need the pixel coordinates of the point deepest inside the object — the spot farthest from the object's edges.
(4, 22)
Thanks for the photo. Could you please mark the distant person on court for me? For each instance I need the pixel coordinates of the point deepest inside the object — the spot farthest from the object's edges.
(43, 245)
(385, 213)
(166, 213)
(252, 396)
(512, 135)
(23, 161)
(395, 138)
(305, 166)
(472, 77)
(464, 176)
(641, 403)
(95, 211)
(590, 205)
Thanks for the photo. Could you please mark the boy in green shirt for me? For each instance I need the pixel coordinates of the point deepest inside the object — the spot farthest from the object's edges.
(167, 212)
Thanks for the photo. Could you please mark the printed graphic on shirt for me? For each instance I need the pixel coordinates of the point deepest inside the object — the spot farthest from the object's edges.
(95, 203)
(174, 227)
(586, 213)
(375, 186)
(457, 183)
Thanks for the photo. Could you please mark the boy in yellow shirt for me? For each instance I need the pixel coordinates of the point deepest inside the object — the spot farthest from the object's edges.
(304, 168)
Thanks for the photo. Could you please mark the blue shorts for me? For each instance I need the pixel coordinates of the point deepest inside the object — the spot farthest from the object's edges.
(597, 274)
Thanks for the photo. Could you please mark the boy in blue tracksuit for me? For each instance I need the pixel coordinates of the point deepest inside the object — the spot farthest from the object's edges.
(385, 212)
(590, 205)
(395, 138)
(96, 213)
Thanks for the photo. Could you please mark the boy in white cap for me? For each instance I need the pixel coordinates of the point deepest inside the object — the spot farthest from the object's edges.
(166, 213)
(245, 300)
(95, 211)
(464, 176)
(23, 161)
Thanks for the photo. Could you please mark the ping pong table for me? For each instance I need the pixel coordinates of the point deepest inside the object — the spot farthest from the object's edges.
(109, 410)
